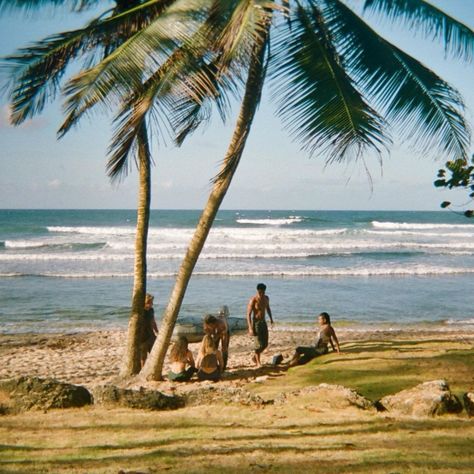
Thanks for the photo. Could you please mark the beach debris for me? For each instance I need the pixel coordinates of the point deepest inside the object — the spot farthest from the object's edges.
(426, 399)
(327, 396)
(34, 393)
(144, 399)
(468, 399)
(277, 359)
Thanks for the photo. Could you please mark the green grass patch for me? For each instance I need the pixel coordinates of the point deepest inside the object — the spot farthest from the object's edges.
(377, 369)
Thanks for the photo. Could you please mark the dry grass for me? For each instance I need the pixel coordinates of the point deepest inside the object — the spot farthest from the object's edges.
(292, 438)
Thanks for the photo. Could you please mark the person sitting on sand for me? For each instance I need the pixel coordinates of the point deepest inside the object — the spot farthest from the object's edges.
(209, 361)
(326, 336)
(149, 329)
(258, 306)
(218, 329)
(180, 357)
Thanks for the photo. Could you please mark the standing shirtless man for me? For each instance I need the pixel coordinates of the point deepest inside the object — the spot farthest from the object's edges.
(257, 307)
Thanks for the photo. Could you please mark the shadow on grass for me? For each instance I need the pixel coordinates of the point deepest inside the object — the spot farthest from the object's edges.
(254, 450)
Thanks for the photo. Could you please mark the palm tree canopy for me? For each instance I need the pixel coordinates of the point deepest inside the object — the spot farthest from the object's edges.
(339, 86)
(29, 6)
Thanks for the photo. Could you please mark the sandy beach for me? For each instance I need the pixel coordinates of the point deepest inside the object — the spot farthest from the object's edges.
(94, 358)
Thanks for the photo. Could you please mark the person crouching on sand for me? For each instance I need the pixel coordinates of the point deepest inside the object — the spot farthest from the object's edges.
(258, 306)
(209, 361)
(325, 337)
(180, 358)
(218, 329)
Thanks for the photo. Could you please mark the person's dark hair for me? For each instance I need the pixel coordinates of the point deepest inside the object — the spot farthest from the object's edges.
(326, 317)
(210, 319)
(261, 286)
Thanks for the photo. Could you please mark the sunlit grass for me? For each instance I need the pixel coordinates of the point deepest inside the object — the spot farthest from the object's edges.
(299, 437)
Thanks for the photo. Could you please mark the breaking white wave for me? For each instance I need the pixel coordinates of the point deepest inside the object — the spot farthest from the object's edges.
(390, 233)
(420, 226)
(277, 222)
(460, 321)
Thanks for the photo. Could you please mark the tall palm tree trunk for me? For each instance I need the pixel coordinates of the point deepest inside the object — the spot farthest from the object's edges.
(253, 90)
(131, 362)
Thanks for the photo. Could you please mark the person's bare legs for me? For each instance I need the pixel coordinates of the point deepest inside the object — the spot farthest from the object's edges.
(256, 359)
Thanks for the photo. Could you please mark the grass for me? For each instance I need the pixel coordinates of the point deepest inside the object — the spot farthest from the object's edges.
(376, 369)
(295, 437)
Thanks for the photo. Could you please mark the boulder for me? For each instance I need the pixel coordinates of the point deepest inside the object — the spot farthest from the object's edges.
(145, 399)
(211, 394)
(33, 393)
(427, 399)
(469, 403)
(328, 396)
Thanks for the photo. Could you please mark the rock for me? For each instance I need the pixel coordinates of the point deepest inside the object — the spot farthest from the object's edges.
(261, 378)
(328, 396)
(210, 394)
(144, 399)
(33, 393)
(427, 399)
(469, 403)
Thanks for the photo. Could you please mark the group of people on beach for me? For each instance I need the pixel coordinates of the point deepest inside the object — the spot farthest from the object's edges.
(213, 353)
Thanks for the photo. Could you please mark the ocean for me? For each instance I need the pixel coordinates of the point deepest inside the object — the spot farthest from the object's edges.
(71, 270)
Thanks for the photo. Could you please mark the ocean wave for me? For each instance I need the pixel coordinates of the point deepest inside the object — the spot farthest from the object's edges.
(92, 230)
(270, 221)
(29, 244)
(420, 234)
(258, 253)
(459, 321)
(420, 226)
(380, 271)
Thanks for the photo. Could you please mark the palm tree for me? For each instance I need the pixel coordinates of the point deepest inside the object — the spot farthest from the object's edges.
(35, 74)
(326, 65)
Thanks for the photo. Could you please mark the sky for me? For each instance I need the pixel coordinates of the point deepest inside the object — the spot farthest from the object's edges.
(39, 171)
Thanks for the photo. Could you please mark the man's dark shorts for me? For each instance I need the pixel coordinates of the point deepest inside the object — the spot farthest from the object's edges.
(260, 330)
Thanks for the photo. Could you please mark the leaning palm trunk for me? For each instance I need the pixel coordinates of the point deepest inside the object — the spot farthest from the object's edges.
(131, 363)
(253, 90)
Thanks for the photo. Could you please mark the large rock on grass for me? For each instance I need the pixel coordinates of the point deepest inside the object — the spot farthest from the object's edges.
(328, 396)
(143, 398)
(33, 393)
(469, 403)
(427, 399)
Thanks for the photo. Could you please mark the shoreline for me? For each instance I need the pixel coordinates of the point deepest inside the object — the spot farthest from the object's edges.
(93, 358)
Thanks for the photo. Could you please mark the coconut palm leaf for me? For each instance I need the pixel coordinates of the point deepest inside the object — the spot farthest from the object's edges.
(421, 16)
(232, 39)
(29, 6)
(317, 98)
(35, 72)
(162, 100)
(188, 82)
(122, 72)
(409, 94)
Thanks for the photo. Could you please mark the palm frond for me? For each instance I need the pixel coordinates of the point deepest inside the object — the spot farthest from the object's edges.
(317, 98)
(232, 31)
(30, 6)
(123, 71)
(423, 17)
(155, 92)
(426, 108)
(245, 26)
(35, 71)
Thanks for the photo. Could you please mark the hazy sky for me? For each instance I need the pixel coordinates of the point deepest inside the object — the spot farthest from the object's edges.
(37, 171)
